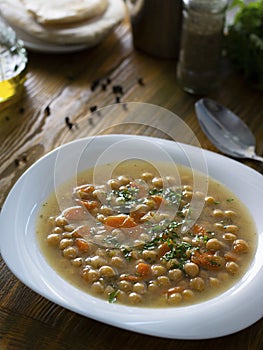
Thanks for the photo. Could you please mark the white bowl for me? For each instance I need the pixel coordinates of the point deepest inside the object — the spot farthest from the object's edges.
(227, 313)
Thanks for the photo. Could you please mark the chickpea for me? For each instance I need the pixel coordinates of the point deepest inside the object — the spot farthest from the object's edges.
(232, 267)
(188, 194)
(231, 228)
(219, 226)
(108, 290)
(67, 235)
(53, 239)
(147, 176)
(68, 228)
(197, 283)
(230, 213)
(191, 269)
(107, 271)
(214, 282)
(175, 274)
(139, 288)
(70, 252)
(217, 213)
(126, 286)
(114, 184)
(171, 264)
(150, 255)
(158, 270)
(157, 182)
(163, 281)
(96, 261)
(61, 221)
(97, 287)
(214, 244)
(229, 236)
(209, 200)
(106, 210)
(240, 246)
(153, 287)
(187, 294)
(90, 275)
(65, 242)
(77, 262)
(175, 298)
(57, 230)
(117, 261)
(123, 180)
(135, 298)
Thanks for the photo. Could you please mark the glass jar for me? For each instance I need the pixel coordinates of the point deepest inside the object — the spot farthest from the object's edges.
(13, 62)
(198, 68)
(156, 26)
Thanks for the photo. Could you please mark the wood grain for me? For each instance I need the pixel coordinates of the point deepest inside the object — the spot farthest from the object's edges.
(59, 86)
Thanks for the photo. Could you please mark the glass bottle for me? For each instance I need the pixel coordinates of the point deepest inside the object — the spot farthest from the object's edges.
(198, 69)
(13, 62)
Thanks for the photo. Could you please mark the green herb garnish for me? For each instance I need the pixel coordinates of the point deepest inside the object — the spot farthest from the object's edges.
(244, 40)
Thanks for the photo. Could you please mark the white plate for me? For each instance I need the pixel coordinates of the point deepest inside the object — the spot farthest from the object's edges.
(37, 45)
(232, 311)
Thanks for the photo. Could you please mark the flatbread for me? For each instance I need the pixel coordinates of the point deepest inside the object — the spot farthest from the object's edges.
(64, 11)
(88, 32)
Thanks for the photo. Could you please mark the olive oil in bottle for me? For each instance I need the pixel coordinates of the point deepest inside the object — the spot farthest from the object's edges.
(13, 62)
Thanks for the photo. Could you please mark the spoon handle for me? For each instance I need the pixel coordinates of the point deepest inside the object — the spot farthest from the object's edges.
(256, 157)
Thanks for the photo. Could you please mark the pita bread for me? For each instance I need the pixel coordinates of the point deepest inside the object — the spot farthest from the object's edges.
(88, 32)
(64, 11)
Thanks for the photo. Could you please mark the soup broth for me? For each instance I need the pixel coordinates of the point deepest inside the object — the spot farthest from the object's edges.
(147, 235)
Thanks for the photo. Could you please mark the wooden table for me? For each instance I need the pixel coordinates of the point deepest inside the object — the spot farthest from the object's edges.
(60, 86)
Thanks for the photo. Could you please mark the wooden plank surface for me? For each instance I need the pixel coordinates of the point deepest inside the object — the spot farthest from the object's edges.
(59, 86)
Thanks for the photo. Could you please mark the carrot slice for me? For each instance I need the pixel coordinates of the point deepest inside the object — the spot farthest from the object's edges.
(143, 269)
(81, 232)
(120, 221)
(90, 204)
(130, 278)
(163, 249)
(231, 256)
(75, 213)
(199, 230)
(208, 261)
(159, 200)
(82, 244)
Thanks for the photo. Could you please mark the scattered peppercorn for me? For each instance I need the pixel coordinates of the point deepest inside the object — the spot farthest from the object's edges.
(117, 99)
(21, 110)
(68, 123)
(47, 111)
(7, 118)
(141, 82)
(103, 87)
(93, 108)
(24, 157)
(117, 89)
(95, 84)
(16, 162)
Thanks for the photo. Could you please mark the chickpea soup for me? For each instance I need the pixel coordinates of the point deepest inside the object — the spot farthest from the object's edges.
(136, 239)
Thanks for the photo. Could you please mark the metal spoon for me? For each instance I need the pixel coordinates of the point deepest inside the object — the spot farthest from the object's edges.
(226, 130)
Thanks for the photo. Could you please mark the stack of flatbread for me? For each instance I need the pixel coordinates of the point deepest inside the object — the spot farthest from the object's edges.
(63, 22)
